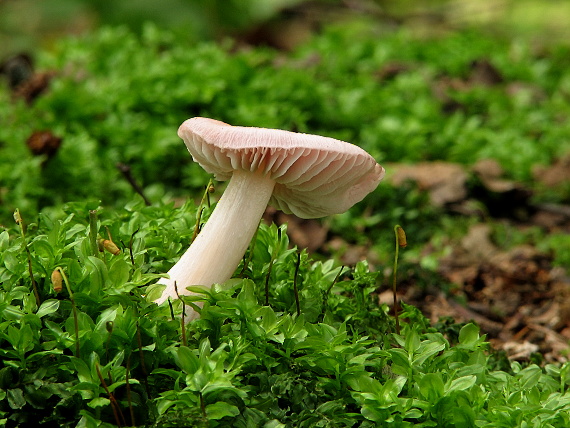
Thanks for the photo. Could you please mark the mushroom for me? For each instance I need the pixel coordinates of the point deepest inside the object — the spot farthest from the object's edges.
(306, 175)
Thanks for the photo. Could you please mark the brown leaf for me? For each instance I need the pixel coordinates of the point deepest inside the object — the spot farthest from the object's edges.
(554, 175)
(33, 87)
(503, 198)
(43, 143)
(490, 172)
(477, 243)
(22, 79)
(391, 70)
(483, 72)
(304, 233)
(552, 216)
(519, 350)
(444, 181)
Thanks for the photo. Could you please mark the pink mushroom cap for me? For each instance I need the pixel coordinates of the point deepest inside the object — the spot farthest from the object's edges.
(314, 176)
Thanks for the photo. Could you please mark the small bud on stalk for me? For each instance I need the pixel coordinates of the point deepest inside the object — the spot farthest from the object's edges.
(109, 246)
(57, 281)
(401, 236)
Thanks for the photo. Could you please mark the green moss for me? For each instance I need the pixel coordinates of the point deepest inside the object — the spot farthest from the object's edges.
(243, 363)
(118, 97)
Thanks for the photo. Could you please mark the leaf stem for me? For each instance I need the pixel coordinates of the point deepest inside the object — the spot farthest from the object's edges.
(273, 257)
(141, 357)
(73, 309)
(20, 222)
(295, 288)
(131, 246)
(114, 404)
(267, 281)
(247, 260)
(93, 229)
(127, 173)
(326, 293)
(400, 242)
(128, 386)
(182, 321)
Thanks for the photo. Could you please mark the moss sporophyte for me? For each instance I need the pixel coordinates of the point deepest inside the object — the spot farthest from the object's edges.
(308, 175)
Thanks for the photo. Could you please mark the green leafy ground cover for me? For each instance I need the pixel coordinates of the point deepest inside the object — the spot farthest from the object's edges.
(119, 98)
(98, 353)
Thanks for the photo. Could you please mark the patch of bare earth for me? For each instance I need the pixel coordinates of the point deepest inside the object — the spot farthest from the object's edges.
(519, 299)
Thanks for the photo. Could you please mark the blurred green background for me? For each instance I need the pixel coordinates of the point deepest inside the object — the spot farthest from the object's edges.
(408, 81)
(31, 24)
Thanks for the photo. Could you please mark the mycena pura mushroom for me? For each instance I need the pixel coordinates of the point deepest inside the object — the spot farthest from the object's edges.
(306, 175)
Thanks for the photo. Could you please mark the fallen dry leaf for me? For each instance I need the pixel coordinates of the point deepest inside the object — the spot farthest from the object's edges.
(490, 173)
(444, 181)
(554, 175)
(23, 81)
(304, 233)
(43, 143)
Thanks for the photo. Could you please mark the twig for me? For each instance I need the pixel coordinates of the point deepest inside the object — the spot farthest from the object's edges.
(128, 385)
(141, 356)
(127, 173)
(119, 418)
(203, 405)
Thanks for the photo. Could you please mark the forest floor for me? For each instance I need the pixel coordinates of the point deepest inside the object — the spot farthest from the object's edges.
(517, 294)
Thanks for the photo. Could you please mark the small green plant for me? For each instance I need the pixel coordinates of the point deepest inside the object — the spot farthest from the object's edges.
(290, 340)
(320, 352)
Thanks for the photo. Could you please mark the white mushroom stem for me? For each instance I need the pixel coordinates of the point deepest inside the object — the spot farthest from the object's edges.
(217, 250)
